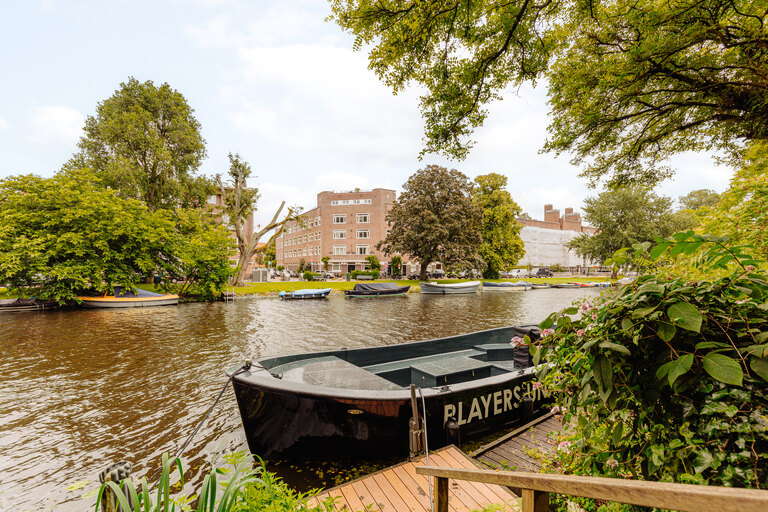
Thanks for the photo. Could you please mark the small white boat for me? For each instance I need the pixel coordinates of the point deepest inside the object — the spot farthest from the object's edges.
(126, 299)
(507, 286)
(444, 289)
(306, 293)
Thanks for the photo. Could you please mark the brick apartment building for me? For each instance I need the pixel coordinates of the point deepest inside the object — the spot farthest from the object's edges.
(345, 226)
(546, 241)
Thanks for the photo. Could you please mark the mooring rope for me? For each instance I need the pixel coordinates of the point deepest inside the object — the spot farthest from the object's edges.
(180, 451)
(426, 448)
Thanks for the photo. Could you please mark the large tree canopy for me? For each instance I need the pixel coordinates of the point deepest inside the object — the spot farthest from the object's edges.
(502, 246)
(624, 217)
(435, 219)
(631, 81)
(145, 142)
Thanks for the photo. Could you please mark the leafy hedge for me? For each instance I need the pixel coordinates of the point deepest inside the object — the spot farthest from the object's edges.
(310, 276)
(667, 379)
(373, 273)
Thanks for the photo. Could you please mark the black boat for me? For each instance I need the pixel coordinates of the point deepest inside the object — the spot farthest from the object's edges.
(376, 290)
(20, 304)
(357, 403)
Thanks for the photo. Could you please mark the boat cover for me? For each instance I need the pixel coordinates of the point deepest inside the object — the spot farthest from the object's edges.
(374, 287)
(119, 292)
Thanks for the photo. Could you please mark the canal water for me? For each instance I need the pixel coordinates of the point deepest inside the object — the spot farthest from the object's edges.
(80, 389)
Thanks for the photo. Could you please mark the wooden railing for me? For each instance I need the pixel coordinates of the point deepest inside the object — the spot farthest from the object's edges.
(535, 488)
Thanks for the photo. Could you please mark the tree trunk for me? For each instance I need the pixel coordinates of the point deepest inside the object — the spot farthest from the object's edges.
(423, 271)
(242, 261)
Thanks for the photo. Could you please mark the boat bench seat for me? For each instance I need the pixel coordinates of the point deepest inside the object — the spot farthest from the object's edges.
(497, 351)
(333, 372)
(449, 371)
(401, 364)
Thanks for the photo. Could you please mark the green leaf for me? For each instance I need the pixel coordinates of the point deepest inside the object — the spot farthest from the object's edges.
(723, 368)
(640, 313)
(603, 373)
(615, 347)
(666, 331)
(659, 250)
(548, 322)
(711, 344)
(758, 351)
(651, 288)
(760, 367)
(761, 337)
(626, 324)
(680, 366)
(703, 460)
(686, 316)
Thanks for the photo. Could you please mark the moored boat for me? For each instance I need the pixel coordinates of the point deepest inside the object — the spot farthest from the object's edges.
(356, 403)
(540, 286)
(306, 293)
(449, 288)
(126, 299)
(519, 286)
(565, 285)
(21, 304)
(377, 290)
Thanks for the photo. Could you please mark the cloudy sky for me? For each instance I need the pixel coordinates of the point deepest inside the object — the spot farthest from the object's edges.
(270, 80)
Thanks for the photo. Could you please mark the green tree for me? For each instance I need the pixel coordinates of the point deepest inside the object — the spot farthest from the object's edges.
(239, 204)
(373, 262)
(502, 246)
(68, 234)
(698, 199)
(742, 212)
(435, 219)
(325, 260)
(396, 265)
(145, 142)
(630, 82)
(269, 254)
(623, 217)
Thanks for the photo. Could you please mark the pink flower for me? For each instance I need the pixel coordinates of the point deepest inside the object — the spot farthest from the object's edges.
(564, 446)
(536, 385)
(517, 341)
(580, 333)
(749, 268)
(584, 307)
(547, 332)
(612, 463)
(556, 410)
(594, 316)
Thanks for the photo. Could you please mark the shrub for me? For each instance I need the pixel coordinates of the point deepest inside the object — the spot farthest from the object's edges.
(668, 379)
(310, 276)
(373, 273)
(242, 488)
(557, 268)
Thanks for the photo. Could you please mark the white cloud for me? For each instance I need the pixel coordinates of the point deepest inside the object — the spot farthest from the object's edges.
(4, 125)
(55, 126)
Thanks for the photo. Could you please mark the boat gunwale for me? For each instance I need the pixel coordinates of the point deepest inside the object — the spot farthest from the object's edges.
(262, 378)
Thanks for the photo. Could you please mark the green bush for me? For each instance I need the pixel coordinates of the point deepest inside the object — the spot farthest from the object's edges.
(668, 379)
(557, 268)
(310, 276)
(238, 488)
(373, 273)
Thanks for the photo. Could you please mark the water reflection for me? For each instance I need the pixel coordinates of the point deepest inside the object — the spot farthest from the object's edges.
(81, 389)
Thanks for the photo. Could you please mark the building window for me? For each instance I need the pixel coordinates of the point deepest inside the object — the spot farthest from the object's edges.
(340, 219)
(339, 234)
(304, 252)
(317, 236)
(362, 249)
(211, 199)
(339, 249)
(389, 231)
(363, 218)
(305, 239)
(336, 267)
(363, 233)
(366, 201)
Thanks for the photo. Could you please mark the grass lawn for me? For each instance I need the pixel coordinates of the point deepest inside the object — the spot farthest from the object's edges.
(5, 295)
(278, 286)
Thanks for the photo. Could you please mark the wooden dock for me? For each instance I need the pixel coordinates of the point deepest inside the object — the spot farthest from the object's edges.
(514, 451)
(400, 489)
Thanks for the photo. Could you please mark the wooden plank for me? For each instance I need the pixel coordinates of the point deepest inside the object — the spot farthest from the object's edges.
(378, 496)
(420, 484)
(402, 490)
(498, 494)
(468, 492)
(485, 494)
(353, 500)
(683, 497)
(339, 502)
(511, 435)
(392, 495)
(365, 495)
(535, 501)
(419, 494)
(493, 494)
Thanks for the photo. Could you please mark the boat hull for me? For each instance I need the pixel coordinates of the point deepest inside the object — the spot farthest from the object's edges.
(449, 289)
(319, 294)
(284, 418)
(128, 302)
(489, 286)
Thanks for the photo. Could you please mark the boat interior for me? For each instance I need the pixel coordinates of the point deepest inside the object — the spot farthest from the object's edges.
(425, 364)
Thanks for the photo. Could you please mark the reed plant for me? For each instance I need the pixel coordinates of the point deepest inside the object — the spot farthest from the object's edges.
(241, 487)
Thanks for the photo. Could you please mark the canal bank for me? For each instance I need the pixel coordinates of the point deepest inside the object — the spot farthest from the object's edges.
(87, 387)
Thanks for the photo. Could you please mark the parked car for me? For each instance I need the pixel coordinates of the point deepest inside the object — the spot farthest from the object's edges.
(541, 272)
(517, 273)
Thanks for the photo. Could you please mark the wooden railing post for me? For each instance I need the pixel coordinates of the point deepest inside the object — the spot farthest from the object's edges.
(535, 501)
(441, 494)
